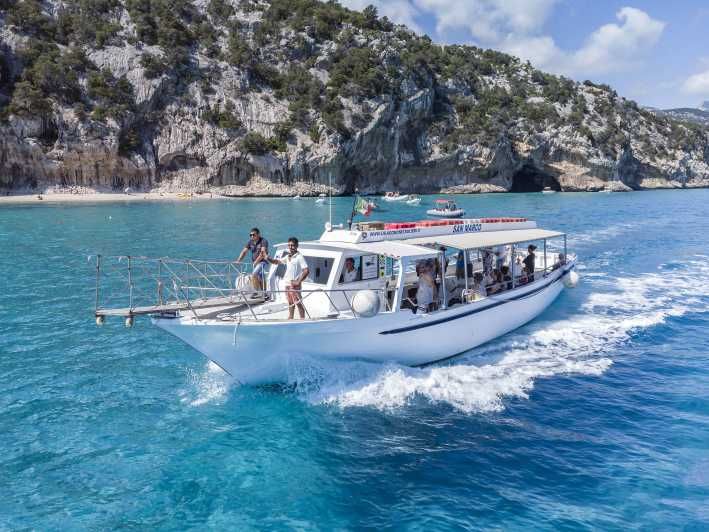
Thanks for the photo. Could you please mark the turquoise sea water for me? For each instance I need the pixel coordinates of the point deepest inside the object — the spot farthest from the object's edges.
(594, 416)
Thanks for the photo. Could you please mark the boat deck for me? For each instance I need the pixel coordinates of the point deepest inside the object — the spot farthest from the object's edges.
(236, 302)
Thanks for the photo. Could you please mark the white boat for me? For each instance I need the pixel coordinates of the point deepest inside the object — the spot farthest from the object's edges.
(548, 190)
(414, 200)
(373, 318)
(321, 198)
(395, 196)
(297, 196)
(446, 208)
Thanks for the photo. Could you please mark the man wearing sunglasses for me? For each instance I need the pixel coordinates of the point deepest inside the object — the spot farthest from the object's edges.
(258, 246)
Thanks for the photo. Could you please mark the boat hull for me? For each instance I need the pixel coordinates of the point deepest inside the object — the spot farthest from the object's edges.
(263, 352)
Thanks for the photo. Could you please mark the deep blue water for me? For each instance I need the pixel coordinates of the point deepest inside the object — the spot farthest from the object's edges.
(594, 416)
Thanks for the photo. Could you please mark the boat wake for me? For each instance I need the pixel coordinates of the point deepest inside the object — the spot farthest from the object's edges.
(483, 379)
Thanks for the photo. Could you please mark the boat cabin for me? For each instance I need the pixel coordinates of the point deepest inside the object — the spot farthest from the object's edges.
(461, 261)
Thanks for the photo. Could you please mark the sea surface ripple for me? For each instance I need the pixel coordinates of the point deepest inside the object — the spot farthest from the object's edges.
(594, 416)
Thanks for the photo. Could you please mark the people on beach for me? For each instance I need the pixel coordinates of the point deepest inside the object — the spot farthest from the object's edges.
(296, 272)
(258, 246)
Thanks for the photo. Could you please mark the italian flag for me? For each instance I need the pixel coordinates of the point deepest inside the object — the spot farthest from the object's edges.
(362, 206)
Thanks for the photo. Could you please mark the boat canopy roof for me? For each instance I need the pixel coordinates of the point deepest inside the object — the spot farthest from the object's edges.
(396, 249)
(484, 239)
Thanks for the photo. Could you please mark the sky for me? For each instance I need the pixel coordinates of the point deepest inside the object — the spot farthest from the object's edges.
(655, 52)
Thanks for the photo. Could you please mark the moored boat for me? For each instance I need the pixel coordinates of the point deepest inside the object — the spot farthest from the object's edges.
(411, 294)
(395, 196)
(446, 208)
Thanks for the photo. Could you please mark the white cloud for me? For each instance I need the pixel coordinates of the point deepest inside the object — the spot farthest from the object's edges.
(610, 48)
(697, 84)
(488, 20)
(398, 11)
(516, 27)
(613, 46)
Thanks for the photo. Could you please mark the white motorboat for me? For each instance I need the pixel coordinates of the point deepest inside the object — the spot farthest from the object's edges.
(395, 196)
(446, 208)
(414, 201)
(548, 190)
(321, 198)
(380, 316)
(297, 196)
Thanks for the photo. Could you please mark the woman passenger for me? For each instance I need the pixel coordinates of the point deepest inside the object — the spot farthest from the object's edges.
(426, 287)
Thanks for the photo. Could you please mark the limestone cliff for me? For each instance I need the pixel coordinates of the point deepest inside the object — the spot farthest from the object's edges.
(275, 97)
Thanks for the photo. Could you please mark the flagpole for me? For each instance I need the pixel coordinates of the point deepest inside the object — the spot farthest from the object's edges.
(329, 184)
(352, 214)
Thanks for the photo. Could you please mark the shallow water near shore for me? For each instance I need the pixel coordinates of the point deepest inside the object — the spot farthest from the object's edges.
(595, 415)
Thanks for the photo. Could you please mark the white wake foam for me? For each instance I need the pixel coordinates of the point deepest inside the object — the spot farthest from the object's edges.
(581, 344)
(208, 385)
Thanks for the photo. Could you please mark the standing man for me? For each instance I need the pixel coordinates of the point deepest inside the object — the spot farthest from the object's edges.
(258, 246)
(296, 272)
(529, 262)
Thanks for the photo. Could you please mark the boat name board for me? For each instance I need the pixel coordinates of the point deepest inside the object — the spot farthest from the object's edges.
(467, 228)
(420, 230)
(412, 232)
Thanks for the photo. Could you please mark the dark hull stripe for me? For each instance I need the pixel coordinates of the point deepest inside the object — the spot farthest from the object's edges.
(475, 311)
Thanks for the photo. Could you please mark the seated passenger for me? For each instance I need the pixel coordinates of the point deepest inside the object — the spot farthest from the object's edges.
(506, 277)
(479, 286)
(490, 281)
(559, 262)
(460, 265)
(487, 260)
(350, 274)
(518, 270)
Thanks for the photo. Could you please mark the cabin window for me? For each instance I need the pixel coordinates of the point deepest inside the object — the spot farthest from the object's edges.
(347, 276)
(320, 268)
(366, 268)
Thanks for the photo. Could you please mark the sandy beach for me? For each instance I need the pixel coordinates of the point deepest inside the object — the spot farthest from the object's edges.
(102, 197)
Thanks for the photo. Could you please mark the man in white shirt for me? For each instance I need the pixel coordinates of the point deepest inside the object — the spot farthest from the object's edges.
(350, 273)
(296, 272)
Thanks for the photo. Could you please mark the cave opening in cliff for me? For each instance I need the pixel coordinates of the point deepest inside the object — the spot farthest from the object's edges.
(529, 178)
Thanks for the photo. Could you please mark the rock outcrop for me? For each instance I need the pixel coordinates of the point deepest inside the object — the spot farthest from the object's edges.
(429, 128)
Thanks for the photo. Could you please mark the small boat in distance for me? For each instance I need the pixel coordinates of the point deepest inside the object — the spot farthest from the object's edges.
(414, 200)
(446, 208)
(297, 196)
(321, 198)
(395, 196)
(548, 190)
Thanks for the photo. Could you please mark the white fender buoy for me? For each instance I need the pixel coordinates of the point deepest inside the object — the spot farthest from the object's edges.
(365, 303)
(100, 320)
(129, 321)
(571, 279)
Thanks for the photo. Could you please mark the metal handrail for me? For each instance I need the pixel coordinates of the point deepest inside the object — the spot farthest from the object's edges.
(308, 293)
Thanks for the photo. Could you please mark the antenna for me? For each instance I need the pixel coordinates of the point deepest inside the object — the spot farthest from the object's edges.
(329, 184)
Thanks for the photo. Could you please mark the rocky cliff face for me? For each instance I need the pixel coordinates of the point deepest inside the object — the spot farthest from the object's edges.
(275, 98)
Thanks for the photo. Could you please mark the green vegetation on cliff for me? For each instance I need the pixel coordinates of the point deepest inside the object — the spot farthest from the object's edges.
(329, 66)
